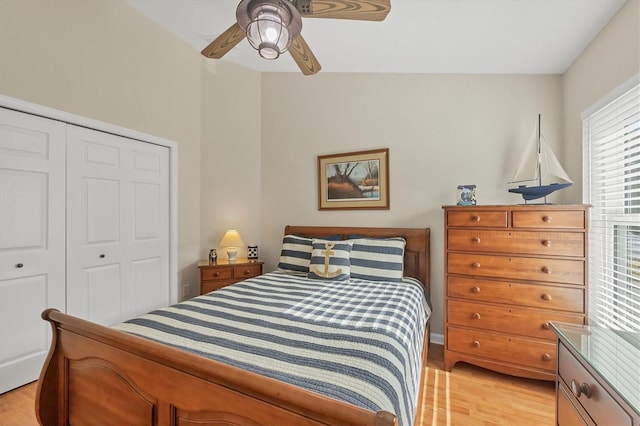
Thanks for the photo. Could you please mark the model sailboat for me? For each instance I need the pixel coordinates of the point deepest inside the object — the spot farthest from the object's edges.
(539, 173)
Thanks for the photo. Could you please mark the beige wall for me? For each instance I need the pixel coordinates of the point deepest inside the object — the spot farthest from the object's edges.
(105, 61)
(230, 161)
(611, 59)
(441, 131)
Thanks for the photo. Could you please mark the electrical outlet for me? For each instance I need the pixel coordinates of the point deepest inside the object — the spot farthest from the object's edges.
(186, 290)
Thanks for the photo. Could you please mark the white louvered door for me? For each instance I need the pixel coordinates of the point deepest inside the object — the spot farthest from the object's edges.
(32, 240)
(118, 226)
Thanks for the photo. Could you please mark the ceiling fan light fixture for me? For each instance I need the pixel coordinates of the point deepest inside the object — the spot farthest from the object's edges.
(271, 25)
(268, 34)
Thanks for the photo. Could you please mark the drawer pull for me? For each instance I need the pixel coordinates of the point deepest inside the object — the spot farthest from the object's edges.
(546, 269)
(475, 290)
(475, 240)
(102, 256)
(216, 274)
(547, 297)
(545, 326)
(247, 272)
(546, 357)
(475, 218)
(19, 265)
(546, 219)
(546, 243)
(476, 344)
(475, 315)
(580, 389)
(475, 265)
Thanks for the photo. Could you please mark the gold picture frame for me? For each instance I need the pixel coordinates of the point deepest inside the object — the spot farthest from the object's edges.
(354, 180)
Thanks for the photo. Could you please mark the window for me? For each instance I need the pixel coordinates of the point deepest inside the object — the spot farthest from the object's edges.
(611, 165)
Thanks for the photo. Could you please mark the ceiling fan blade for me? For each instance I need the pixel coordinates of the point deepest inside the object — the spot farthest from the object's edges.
(304, 57)
(224, 42)
(362, 10)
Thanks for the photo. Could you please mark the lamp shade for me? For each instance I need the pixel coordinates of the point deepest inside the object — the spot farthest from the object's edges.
(231, 239)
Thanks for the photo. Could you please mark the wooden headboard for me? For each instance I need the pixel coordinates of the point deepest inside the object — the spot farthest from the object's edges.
(416, 253)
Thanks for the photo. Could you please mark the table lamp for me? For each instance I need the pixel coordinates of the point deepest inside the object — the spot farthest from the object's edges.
(231, 241)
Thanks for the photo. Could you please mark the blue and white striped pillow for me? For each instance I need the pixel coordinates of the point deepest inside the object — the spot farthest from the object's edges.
(378, 259)
(330, 260)
(296, 254)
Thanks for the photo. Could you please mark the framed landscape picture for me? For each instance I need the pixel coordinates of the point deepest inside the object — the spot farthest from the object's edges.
(354, 180)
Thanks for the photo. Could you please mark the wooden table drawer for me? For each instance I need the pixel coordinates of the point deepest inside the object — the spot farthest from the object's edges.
(502, 347)
(567, 413)
(569, 299)
(505, 319)
(549, 219)
(247, 271)
(522, 242)
(477, 218)
(513, 267)
(602, 407)
(216, 274)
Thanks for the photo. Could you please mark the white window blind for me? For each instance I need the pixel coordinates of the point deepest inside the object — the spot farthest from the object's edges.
(611, 167)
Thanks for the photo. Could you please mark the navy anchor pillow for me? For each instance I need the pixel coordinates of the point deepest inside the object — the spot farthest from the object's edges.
(330, 260)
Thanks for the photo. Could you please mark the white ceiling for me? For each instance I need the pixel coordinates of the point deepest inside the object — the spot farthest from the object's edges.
(418, 36)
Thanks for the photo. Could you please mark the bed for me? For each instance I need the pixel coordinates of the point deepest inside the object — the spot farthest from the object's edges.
(112, 375)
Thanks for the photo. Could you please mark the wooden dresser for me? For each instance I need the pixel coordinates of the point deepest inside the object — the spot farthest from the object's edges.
(223, 273)
(598, 381)
(509, 270)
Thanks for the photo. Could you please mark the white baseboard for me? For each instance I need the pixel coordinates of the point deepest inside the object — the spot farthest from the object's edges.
(438, 339)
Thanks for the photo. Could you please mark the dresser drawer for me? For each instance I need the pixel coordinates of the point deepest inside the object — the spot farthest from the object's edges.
(501, 347)
(247, 271)
(477, 218)
(216, 274)
(602, 407)
(505, 319)
(569, 299)
(549, 219)
(513, 267)
(523, 242)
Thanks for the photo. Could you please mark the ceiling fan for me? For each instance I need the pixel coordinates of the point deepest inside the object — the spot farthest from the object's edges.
(273, 26)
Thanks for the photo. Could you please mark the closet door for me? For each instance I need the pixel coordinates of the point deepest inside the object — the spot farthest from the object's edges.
(117, 226)
(32, 241)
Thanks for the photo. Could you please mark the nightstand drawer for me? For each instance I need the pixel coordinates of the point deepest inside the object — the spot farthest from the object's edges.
(217, 274)
(545, 219)
(214, 276)
(586, 391)
(477, 218)
(247, 271)
(207, 286)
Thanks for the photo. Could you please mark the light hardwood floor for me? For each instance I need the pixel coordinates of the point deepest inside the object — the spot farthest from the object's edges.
(467, 396)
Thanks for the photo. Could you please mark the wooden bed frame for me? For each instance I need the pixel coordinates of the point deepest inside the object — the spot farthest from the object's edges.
(98, 375)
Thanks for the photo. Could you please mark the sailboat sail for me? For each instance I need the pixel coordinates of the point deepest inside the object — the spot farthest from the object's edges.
(539, 171)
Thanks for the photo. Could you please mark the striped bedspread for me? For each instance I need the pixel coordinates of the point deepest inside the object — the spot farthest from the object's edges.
(356, 341)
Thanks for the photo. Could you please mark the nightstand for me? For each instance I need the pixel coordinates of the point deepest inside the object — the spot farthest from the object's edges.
(214, 276)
